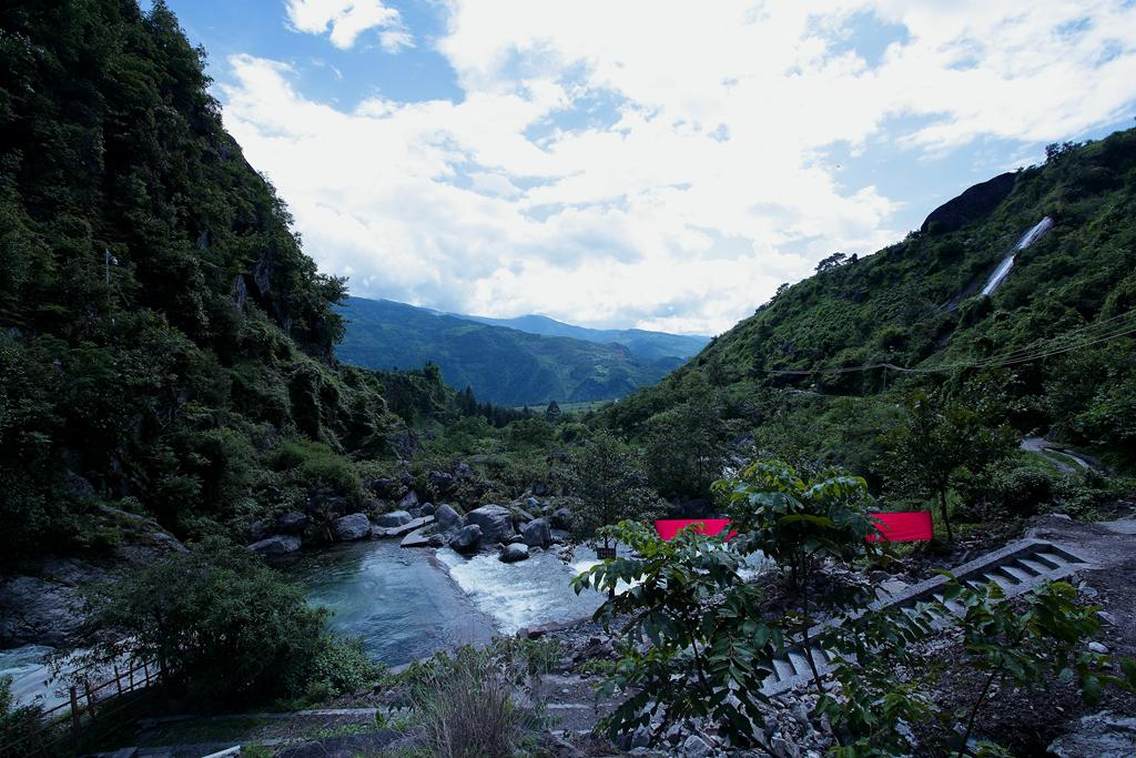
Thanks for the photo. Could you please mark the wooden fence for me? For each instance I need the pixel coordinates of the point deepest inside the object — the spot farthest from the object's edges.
(89, 695)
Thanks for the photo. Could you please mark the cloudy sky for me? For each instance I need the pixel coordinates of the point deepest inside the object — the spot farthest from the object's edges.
(656, 164)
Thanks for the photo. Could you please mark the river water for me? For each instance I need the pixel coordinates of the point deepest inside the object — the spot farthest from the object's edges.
(409, 603)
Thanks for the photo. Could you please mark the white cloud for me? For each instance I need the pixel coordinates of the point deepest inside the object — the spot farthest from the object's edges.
(347, 19)
(701, 187)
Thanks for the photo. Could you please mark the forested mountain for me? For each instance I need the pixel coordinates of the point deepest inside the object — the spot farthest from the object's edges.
(1051, 349)
(166, 345)
(503, 365)
(642, 343)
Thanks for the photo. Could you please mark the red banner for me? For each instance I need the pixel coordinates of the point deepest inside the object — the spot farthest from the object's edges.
(903, 526)
(900, 526)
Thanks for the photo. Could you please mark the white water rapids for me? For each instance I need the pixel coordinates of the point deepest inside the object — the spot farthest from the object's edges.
(1033, 235)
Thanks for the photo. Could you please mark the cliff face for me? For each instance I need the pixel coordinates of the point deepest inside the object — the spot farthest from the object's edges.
(161, 330)
(974, 204)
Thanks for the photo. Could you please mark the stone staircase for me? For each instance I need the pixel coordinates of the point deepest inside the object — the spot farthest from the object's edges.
(1018, 568)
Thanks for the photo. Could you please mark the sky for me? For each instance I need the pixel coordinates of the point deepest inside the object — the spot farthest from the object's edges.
(662, 165)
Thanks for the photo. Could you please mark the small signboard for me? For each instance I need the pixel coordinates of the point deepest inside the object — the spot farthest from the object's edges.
(605, 553)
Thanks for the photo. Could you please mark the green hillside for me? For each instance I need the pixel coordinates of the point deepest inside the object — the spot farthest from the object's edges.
(165, 345)
(641, 342)
(502, 365)
(1053, 345)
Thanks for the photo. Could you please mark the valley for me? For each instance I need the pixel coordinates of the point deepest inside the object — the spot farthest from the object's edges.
(325, 524)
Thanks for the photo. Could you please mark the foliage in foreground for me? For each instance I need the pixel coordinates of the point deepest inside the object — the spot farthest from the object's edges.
(224, 627)
(708, 648)
(467, 703)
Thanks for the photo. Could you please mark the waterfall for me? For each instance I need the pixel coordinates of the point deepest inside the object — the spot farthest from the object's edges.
(1033, 235)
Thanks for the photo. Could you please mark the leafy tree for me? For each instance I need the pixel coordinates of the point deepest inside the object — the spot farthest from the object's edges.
(797, 523)
(935, 442)
(552, 413)
(831, 262)
(222, 625)
(606, 475)
(685, 445)
(708, 650)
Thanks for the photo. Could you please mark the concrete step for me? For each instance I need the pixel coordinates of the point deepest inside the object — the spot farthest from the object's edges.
(1019, 567)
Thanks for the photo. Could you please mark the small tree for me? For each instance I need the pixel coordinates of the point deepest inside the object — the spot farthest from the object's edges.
(605, 474)
(709, 649)
(797, 523)
(222, 624)
(552, 413)
(685, 446)
(936, 441)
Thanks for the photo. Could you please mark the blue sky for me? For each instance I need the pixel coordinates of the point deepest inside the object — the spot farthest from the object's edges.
(661, 165)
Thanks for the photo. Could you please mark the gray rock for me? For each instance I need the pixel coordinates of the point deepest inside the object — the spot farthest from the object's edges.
(537, 533)
(515, 551)
(258, 530)
(277, 544)
(426, 509)
(1107, 617)
(560, 536)
(562, 519)
(446, 516)
(521, 516)
(695, 747)
(532, 504)
(463, 471)
(399, 531)
(1100, 735)
(408, 501)
(1097, 647)
(467, 540)
(394, 518)
(34, 610)
(417, 538)
(496, 522)
(354, 526)
(437, 540)
(292, 522)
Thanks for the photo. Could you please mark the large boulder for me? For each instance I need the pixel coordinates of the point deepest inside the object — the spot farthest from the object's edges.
(292, 522)
(446, 517)
(496, 522)
(467, 540)
(537, 533)
(394, 518)
(277, 544)
(562, 519)
(354, 526)
(514, 551)
(408, 501)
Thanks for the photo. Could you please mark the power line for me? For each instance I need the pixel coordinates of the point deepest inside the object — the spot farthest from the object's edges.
(1007, 358)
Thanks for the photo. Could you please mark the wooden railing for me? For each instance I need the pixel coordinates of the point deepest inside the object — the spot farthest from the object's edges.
(89, 696)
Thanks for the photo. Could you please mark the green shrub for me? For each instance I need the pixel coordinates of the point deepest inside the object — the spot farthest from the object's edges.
(464, 701)
(223, 626)
(20, 725)
(313, 465)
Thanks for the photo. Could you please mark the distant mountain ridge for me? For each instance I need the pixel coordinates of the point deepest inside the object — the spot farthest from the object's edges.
(503, 364)
(641, 342)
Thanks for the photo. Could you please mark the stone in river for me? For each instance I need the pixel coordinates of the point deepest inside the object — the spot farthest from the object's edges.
(394, 518)
(515, 551)
(352, 527)
(496, 522)
(537, 533)
(467, 540)
(278, 544)
(446, 516)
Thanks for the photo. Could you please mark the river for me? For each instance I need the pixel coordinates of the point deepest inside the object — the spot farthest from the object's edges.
(409, 603)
